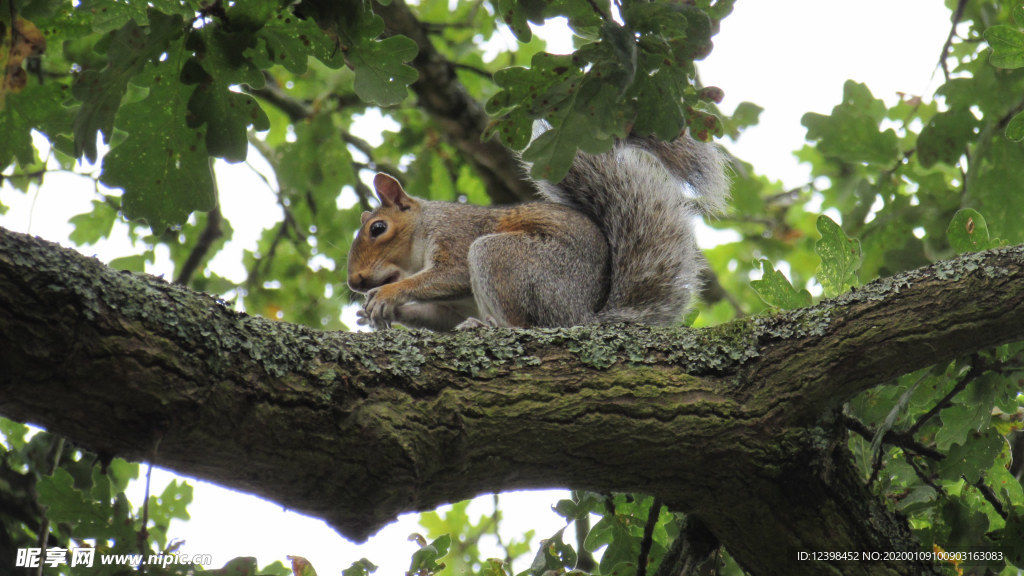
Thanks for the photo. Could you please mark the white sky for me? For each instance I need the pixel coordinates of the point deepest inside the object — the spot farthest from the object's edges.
(789, 56)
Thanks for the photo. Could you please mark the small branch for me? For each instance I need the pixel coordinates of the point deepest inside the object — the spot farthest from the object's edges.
(991, 497)
(876, 466)
(584, 559)
(207, 238)
(273, 94)
(958, 14)
(599, 11)
(366, 149)
(904, 440)
(1017, 456)
(947, 401)
(475, 70)
(439, 27)
(648, 538)
(920, 474)
(53, 455)
(1005, 120)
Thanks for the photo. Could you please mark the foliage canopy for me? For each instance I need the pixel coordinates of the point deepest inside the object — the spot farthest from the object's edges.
(158, 93)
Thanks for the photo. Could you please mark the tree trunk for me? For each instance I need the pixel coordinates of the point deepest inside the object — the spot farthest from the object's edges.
(734, 425)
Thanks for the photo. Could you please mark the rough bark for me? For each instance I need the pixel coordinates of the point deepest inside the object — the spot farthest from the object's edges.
(733, 424)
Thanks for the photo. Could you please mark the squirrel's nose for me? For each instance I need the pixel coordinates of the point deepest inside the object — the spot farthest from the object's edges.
(357, 282)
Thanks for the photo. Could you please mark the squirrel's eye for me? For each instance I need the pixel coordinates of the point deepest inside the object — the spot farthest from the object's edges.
(377, 228)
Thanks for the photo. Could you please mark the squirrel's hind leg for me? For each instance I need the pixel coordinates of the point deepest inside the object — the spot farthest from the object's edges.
(537, 280)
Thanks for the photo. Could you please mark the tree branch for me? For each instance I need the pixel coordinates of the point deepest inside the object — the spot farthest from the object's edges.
(721, 423)
(210, 234)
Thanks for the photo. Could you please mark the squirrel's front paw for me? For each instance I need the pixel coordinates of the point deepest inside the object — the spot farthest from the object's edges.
(379, 309)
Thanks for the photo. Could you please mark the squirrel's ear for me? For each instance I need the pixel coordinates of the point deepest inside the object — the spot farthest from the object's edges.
(390, 192)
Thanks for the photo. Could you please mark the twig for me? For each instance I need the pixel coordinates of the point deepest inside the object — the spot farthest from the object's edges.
(991, 497)
(53, 460)
(904, 440)
(920, 474)
(648, 539)
(271, 93)
(584, 559)
(946, 401)
(957, 15)
(210, 234)
(474, 69)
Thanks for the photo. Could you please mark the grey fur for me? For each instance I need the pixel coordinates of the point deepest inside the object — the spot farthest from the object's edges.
(635, 194)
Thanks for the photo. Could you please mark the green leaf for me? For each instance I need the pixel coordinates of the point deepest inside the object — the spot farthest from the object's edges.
(1015, 128)
(121, 473)
(65, 503)
(493, 567)
(553, 555)
(518, 13)
(945, 137)
(288, 41)
(745, 115)
(361, 567)
(38, 107)
(93, 225)
(1007, 44)
(957, 423)
(426, 558)
(589, 123)
(966, 525)
(227, 115)
(135, 263)
(1012, 542)
(130, 49)
(162, 165)
(14, 435)
(219, 63)
(851, 133)
(997, 191)
(968, 232)
(318, 161)
(382, 76)
(172, 503)
(972, 457)
(775, 289)
(548, 81)
(659, 107)
(840, 257)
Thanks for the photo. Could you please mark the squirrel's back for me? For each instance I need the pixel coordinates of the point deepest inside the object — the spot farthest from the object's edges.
(637, 193)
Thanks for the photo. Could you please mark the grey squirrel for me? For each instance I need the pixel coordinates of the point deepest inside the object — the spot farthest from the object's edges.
(612, 242)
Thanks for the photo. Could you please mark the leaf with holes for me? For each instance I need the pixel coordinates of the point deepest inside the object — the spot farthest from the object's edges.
(840, 257)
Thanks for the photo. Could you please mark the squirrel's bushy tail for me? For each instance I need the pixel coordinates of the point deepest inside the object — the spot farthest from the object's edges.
(636, 193)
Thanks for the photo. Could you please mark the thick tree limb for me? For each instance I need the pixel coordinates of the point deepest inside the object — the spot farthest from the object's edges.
(733, 425)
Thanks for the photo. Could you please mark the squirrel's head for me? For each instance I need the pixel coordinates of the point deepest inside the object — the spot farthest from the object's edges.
(383, 250)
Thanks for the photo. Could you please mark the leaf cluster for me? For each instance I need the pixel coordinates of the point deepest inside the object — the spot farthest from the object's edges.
(58, 496)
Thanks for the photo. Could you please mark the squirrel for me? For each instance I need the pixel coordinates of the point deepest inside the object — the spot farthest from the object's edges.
(612, 242)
